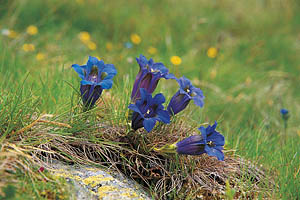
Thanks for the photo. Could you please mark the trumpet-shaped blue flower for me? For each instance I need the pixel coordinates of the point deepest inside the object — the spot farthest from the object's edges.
(148, 110)
(184, 95)
(210, 141)
(148, 76)
(95, 76)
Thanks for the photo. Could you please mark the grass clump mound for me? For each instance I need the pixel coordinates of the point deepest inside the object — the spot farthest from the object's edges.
(101, 138)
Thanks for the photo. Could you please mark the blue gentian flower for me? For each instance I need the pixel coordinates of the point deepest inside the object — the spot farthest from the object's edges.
(210, 141)
(284, 111)
(95, 76)
(148, 76)
(285, 116)
(184, 95)
(148, 110)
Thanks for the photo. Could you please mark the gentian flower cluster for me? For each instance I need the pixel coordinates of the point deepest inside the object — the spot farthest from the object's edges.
(148, 77)
(95, 76)
(148, 110)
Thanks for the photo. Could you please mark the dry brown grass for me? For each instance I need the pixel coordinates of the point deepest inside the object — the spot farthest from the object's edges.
(166, 176)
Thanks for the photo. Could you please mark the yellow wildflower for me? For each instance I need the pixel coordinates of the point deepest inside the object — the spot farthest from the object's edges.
(213, 73)
(135, 38)
(212, 52)
(298, 132)
(91, 45)
(32, 30)
(109, 46)
(152, 50)
(175, 60)
(84, 36)
(28, 47)
(40, 56)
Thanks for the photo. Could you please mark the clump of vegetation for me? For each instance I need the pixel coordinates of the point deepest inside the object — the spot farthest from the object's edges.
(141, 156)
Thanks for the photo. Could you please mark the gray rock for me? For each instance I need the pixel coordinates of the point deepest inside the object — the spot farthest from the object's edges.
(95, 183)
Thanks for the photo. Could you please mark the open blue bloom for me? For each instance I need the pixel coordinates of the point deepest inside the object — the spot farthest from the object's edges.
(148, 76)
(148, 110)
(95, 76)
(210, 141)
(184, 95)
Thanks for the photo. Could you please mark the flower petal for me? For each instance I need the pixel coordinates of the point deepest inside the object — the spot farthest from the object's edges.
(193, 149)
(171, 76)
(137, 121)
(146, 81)
(142, 61)
(90, 94)
(193, 145)
(163, 116)
(84, 82)
(159, 67)
(100, 64)
(194, 139)
(184, 82)
(144, 93)
(203, 132)
(135, 94)
(110, 70)
(197, 96)
(149, 124)
(90, 63)
(217, 138)
(217, 153)
(178, 103)
(79, 69)
(134, 108)
(106, 84)
(159, 99)
(198, 101)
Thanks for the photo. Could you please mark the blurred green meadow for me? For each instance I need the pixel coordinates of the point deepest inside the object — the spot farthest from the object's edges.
(244, 55)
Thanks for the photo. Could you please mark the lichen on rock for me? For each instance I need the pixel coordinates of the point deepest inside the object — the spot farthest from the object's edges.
(97, 183)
